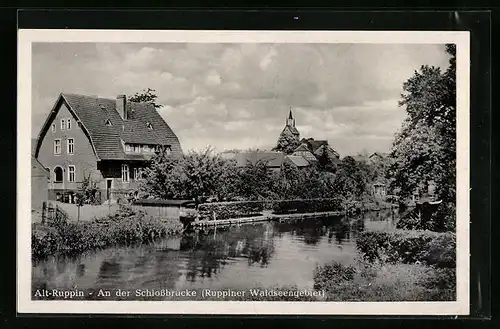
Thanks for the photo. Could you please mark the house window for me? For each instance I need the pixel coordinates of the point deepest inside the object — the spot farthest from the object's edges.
(108, 123)
(63, 124)
(137, 173)
(58, 174)
(71, 146)
(53, 127)
(168, 150)
(127, 147)
(68, 124)
(71, 174)
(149, 125)
(125, 173)
(137, 148)
(57, 146)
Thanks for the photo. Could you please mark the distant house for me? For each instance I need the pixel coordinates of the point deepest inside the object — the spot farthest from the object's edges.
(108, 140)
(39, 184)
(379, 190)
(273, 160)
(297, 161)
(377, 157)
(304, 151)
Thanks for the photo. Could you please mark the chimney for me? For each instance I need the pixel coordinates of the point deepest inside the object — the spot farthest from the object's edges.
(121, 102)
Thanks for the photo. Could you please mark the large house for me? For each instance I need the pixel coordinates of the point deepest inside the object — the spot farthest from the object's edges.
(108, 140)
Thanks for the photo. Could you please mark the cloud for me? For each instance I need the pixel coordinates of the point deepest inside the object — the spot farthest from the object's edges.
(238, 95)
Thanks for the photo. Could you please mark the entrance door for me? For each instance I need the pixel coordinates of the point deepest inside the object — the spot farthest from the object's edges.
(109, 186)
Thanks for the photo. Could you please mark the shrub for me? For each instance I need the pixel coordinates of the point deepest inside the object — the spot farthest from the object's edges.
(385, 282)
(333, 273)
(408, 247)
(125, 227)
(308, 205)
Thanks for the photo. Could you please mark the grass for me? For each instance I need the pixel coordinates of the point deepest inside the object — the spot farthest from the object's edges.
(123, 228)
(377, 281)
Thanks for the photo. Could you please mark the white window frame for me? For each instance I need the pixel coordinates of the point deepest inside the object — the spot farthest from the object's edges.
(63, 124)
(125, 173)
(71, 172)
(72, 144)
(168, 149)
(60, 146)
(53, 127)
(68, 124)
(137, 172)
(127, 147)
(137, 148)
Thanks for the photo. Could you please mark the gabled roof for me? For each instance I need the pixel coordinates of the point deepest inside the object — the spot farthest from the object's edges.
(378, 154)
(93, 113)
(302, 148)
(37, 169)
(273, 159)
(297, 160)
(360, 158)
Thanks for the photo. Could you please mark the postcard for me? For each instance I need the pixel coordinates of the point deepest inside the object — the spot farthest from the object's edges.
(243, 172)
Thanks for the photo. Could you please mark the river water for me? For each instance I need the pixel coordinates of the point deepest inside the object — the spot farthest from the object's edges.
(264, 255)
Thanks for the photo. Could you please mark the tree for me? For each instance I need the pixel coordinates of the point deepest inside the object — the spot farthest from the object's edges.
(163, 177)
(202, 172)
(425, 147)
(87, 193)
(287, 143)
(255, 180)
(147, 96)
(351, 180)
(326, 160)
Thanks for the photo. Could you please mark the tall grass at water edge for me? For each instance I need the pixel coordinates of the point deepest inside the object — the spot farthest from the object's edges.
(123, 228)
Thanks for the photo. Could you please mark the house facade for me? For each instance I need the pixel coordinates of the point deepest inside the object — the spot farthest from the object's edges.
(109, 141)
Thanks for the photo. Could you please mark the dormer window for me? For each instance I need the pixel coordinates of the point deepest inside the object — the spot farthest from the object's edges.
(127, 147)
(108, 122)
(149, 125)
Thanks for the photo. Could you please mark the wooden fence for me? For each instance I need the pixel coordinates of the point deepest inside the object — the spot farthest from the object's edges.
(53, 214)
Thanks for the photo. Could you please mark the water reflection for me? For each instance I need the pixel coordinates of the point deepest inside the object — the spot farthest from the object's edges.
(237, 257)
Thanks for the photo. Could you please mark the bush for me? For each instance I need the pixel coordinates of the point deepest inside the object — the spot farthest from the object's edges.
(309, 205)
(406, 246)
(333, 273)
(371, 282)
(125, 227)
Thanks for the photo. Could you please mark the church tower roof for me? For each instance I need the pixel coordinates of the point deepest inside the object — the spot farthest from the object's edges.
(290, 116)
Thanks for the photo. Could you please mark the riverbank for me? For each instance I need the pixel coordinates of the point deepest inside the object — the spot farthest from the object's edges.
(264, 218)
(122, 228)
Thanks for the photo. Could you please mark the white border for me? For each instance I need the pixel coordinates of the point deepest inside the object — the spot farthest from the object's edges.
(26, 305)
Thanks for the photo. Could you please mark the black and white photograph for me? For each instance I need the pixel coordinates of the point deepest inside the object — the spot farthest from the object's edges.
(330, 171)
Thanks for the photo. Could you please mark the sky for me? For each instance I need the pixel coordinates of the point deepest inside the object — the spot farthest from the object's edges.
(237, 96)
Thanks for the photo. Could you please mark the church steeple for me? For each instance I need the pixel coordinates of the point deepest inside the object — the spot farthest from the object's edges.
(290, 121)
